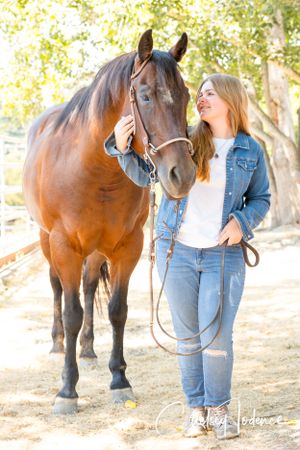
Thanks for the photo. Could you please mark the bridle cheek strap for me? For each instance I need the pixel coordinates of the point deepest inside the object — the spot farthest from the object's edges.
(138, 123)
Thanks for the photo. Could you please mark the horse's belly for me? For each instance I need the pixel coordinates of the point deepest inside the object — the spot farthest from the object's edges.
(32, 197)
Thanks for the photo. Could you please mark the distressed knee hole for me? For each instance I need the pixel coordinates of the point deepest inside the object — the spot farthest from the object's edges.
(216, 353)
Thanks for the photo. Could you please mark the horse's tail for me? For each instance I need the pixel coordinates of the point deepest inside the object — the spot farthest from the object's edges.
(104, 281)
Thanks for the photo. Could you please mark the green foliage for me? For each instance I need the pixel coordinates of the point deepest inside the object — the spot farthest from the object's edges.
(14, 199)
(55, 46)
(13, 176)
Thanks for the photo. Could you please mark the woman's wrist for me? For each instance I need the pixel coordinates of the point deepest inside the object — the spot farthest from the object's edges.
(120, 148)
(123, 129)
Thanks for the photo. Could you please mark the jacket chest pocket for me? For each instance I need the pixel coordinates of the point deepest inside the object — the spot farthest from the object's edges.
(248, 165)
(244, 171)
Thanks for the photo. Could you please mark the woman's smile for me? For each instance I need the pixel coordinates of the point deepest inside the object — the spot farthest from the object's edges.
(204, 109)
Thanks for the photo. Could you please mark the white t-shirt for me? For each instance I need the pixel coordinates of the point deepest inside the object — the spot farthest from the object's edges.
(202, 220)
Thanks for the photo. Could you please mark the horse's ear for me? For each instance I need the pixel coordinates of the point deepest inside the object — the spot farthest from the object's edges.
(145, 46)
(179, 49)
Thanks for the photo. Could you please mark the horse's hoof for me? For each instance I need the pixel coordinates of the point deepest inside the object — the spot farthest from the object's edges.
(65, 405)
(122, 395)
(88, 363)
(57, 348)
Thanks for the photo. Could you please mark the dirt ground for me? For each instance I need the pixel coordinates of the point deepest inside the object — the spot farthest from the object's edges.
(265, 392)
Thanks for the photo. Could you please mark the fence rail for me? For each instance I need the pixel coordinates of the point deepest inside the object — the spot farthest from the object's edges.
(20, 253)
(17, 229)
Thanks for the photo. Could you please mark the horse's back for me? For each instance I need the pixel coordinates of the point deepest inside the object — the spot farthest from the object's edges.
(45, 119)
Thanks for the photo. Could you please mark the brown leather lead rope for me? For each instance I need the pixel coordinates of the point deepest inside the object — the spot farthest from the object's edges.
(246, 245)
(219, 311)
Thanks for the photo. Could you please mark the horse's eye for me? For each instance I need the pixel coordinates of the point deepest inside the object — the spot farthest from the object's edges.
(145, 98)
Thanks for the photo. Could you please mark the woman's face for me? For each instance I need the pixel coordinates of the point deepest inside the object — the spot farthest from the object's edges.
(209, 105)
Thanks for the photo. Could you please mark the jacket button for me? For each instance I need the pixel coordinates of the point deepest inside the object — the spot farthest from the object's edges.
(229, 193)
(180, 212)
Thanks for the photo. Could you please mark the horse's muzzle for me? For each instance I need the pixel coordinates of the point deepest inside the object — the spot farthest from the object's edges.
(177, 181)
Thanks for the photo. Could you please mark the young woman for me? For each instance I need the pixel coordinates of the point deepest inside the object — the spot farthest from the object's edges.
(228, 200)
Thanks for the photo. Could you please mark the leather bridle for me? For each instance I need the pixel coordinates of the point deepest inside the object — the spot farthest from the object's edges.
(138, 123)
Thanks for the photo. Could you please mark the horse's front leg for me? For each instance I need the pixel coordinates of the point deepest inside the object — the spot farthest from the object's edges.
(68, 263)
(91, 276)
(122, 264)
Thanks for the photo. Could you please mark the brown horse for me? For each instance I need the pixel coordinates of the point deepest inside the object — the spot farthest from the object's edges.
(83, 201)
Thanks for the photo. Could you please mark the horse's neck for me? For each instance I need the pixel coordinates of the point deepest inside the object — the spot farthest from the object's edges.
(100, 129)
(92, 153)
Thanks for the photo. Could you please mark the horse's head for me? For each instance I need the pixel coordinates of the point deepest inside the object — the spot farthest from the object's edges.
(159, 101)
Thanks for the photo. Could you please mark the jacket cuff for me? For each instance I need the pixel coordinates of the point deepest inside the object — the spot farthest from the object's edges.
(244, 225)
(111, 149)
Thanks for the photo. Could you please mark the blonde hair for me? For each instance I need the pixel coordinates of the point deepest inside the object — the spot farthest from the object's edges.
(231, 90)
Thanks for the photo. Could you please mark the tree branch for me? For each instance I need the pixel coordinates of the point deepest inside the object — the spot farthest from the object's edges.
(262, 135)
(287, 143)
(291, 73)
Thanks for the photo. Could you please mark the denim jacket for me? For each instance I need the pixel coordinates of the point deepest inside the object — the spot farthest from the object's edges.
(246, 198)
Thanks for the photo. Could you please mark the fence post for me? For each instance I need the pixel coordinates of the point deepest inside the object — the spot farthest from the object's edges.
(2, 193)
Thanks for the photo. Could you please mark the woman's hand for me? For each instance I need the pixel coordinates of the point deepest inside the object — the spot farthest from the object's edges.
(232, 232)
(123, 129)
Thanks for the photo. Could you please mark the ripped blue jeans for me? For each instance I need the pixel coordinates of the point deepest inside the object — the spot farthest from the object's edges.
(192, 289)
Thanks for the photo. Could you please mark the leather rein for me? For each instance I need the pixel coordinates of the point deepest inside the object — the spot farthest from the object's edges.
(151, 149)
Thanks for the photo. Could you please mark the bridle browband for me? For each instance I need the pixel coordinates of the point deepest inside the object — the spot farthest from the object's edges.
(138, 123)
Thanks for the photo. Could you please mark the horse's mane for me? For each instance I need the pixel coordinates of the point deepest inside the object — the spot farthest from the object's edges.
(107, 83)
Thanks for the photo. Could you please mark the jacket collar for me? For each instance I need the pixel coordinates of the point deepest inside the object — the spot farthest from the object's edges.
(241, 141)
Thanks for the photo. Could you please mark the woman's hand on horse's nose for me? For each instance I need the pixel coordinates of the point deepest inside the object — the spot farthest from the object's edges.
(123, 129)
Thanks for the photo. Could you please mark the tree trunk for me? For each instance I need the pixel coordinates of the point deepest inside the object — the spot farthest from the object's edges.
(265, 140)
(284, 159)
